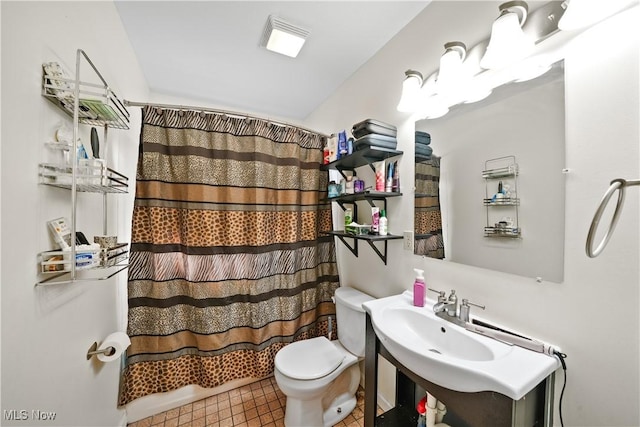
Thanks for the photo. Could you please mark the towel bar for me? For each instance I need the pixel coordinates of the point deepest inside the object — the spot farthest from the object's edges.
(619, 185)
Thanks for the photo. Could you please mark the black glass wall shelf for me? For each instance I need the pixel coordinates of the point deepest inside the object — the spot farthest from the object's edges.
(362, 157)
(369, 238)
(359, 158)
(368, 195)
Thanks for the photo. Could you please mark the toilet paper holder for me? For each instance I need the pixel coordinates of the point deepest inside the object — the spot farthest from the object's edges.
(93, 350)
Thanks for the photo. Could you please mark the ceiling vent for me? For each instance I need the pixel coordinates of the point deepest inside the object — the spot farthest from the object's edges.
(282, 37)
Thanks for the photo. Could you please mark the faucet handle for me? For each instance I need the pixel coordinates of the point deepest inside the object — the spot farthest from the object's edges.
(464, 309)
(442, 295)
(452, 304)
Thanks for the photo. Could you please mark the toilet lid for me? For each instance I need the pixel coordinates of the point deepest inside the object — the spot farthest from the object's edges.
(309, 359)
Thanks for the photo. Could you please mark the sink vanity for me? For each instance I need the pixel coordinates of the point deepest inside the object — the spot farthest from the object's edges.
(482, 381)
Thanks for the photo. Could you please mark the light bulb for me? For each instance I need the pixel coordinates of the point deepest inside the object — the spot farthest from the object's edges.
(451, 75)
(508, 43)
(410, 92)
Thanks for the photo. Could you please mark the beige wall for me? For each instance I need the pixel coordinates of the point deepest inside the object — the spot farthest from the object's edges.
(593, 314)
(46, 332)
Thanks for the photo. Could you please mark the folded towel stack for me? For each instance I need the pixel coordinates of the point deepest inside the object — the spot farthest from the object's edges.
(422, 141)
(374, 133)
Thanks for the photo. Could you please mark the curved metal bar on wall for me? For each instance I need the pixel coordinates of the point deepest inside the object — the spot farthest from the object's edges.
(620, 186)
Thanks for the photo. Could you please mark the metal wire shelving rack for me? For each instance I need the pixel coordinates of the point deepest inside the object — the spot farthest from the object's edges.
(502, 168)
(94, 104)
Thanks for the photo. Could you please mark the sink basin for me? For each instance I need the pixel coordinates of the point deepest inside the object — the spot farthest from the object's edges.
(452, 357)
(421, 332)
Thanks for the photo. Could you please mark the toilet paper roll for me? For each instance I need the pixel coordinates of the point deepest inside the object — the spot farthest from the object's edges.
(119, 341)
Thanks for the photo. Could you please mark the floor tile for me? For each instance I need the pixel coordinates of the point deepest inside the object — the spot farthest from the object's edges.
(260, 404)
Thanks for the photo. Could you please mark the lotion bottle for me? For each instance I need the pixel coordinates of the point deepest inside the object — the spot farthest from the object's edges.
(383, 223)
(418, 288)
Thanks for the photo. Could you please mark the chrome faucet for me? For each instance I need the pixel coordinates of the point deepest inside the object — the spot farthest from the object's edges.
(450, 305)
(447, 308)
(439, 307)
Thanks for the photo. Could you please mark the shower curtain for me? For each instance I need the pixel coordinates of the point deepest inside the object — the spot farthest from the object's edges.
(427, 213)
(228, 260)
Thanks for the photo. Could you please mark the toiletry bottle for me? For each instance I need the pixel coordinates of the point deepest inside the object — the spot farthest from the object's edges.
(418, 288)
(375, 220)
(379, 172)
(389, 181)
(395, 180)
(333, 149)
(499, 194)
(349, 185)
(348, 217)
(421, 407)
(506, 190)
(342, 144)
(383, 223)
(334, 189)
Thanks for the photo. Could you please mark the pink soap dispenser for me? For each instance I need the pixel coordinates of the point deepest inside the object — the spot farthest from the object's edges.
(418, 288)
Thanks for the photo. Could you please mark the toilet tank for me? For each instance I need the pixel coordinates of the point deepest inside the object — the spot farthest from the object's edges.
(351, 319)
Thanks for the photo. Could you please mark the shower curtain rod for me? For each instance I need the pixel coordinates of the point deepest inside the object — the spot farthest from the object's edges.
(218, 111)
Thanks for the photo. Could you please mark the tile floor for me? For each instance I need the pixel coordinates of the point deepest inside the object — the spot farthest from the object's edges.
(260, 404)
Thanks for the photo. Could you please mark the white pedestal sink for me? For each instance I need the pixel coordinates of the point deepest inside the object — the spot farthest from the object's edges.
(451, 356)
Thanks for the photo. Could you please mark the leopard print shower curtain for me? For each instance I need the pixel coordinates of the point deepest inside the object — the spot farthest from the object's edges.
(228, 260)
(427, 212)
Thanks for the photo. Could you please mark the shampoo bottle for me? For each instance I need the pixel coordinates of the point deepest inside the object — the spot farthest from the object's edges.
(418, 288)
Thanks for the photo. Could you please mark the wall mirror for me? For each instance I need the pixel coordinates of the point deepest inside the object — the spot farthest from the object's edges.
(524, 121)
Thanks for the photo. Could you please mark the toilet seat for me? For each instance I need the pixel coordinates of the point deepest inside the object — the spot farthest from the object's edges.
(309, 359)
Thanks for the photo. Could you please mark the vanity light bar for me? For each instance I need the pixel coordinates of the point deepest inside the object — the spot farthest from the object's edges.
(541, 25)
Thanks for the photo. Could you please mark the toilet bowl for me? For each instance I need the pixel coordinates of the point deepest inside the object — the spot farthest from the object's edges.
(320, 377)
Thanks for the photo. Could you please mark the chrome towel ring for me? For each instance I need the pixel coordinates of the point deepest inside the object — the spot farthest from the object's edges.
(619, 185)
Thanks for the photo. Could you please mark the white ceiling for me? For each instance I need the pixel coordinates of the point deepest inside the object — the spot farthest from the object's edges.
(209, 50)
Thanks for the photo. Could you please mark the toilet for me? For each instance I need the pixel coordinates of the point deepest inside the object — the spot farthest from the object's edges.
(320, 377)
